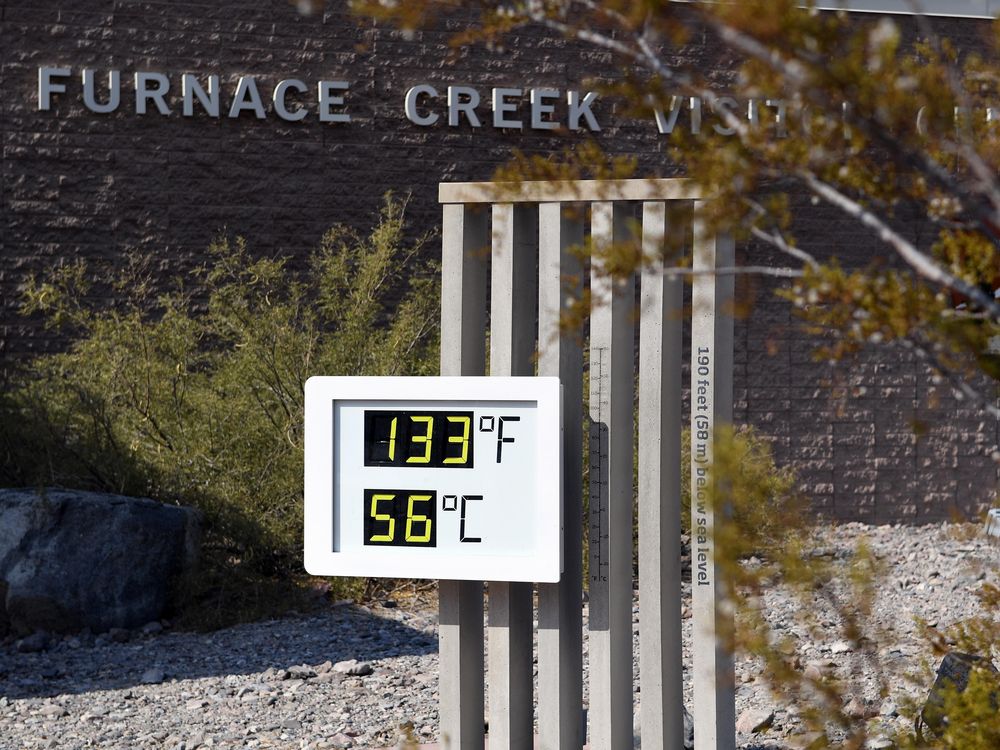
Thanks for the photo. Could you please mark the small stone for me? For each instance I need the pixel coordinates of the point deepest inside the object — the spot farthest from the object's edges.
(152, 628)
(195, 741)
(195, 704)
(856, 709)
(813, 672)
(95, 713)
(888, 708)
(754, 720)
(301, 672)
(53, 711)
(330, 677)
(354, 668)
(324, 667)
(33, 643)
(340, 740)
(841, 647)
(819, 668)
(879, 743)
(118, 635)
(153, 676)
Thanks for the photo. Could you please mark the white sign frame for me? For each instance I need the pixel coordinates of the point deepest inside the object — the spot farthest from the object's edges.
(543, 564)
(946, 8)
(985, 9)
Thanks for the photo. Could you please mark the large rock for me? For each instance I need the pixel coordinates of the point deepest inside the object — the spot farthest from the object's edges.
(71, 559)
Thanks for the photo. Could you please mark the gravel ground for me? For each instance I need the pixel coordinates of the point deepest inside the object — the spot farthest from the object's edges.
(349, 676)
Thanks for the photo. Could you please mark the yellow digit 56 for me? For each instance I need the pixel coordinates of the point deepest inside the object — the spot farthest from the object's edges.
(388, 537)
(425, 439)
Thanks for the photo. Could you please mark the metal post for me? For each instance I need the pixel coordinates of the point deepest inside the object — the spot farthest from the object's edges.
(560, 661)
(463, 352)
(610, 524)
(512, 343)
(711, 405)
(662, 716)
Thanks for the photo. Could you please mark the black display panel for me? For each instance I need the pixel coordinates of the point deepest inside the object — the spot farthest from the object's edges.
(400, 518)
(438, 439)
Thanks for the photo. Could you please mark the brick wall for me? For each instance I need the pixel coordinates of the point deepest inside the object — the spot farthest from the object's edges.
(865, 437)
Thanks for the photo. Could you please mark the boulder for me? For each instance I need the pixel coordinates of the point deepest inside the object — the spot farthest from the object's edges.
(953, 676)
(72, 559)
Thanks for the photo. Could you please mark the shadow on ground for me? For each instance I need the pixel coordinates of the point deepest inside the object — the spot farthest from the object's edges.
(333, 634)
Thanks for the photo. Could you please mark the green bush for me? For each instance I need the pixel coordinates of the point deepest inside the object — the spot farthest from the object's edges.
(197, 399)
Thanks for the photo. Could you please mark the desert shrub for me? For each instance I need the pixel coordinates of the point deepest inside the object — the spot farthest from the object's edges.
(197, 398)
(762, 498)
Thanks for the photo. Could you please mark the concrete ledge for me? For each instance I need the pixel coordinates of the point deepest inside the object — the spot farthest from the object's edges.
(567, 191)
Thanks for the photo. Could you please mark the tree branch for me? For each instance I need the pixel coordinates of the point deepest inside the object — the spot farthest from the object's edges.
(958, 384)
(795, 73)
(777, 272)
(918, 261)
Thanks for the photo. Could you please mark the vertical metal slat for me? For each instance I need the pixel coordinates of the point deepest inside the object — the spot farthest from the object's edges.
(711, 405)
(560, 647)
(661, 715)
(512, 341)
(463, 352)
(610, 522)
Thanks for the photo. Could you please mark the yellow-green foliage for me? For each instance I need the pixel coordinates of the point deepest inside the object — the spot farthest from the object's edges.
(762, 498)
(200, 401)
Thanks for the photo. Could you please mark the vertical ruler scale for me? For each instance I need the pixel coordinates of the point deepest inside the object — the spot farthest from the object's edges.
(711, 405)
(662, 722)
(512, 343)
(610, 523)
(463, 352)
(560, 667)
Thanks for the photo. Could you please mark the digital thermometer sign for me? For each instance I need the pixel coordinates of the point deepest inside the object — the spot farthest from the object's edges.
(434, 477)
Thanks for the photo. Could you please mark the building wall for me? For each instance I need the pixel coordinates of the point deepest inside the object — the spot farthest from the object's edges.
(73, 184)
